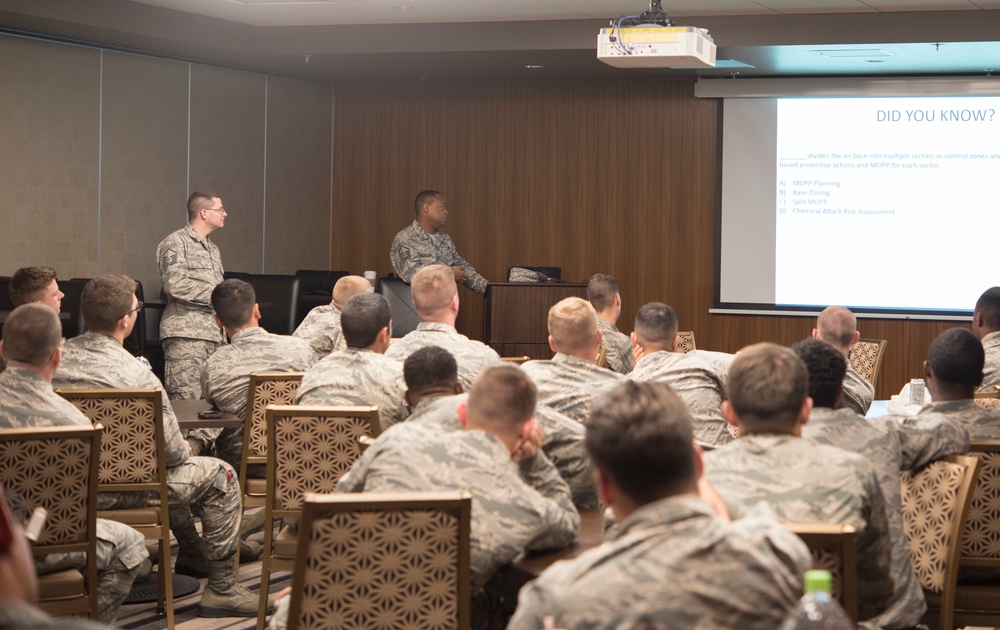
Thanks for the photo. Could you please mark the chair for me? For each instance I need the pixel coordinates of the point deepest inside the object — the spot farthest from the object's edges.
(266, 388)
(56, 468)
(551, 273)
(392, 560)
(72, 311)
(935, 501)
(685, 343)
(516, 360)
(400, 298)
(602, 358)
(308, 450)
(134, 459)
(153, 313)
(278, 299)
(315, 289)
(989, 400)
(832, 548)
(866, 358)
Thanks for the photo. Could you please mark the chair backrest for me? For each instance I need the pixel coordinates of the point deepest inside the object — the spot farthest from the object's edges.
(516, 360)
(394, 560)
(265, 388)
(602, 358)
(686, 342)
(55, 468)
(400, 298)
(866, 358)
(833, 549)
(315, 289)
(935, 501)
(72, 310)
(310, 448)
(278, 299)
(133, 452)
(989, 400)
(981, 539)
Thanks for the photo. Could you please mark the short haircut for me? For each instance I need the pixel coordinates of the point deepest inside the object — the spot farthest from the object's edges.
(28, 284)
(430, 366)
(640, 435)
(826, 367)
(362, 317)
(433, 288)
(572, 324)
(423, 198)
(767, 386)
(197, 202)
(956, 357)
(347, 287)
(836, 326)
(31, 334)
(601, 291)
(656, 322)
(105, 300)
(233, 301)
(502, 399)
(988, 305)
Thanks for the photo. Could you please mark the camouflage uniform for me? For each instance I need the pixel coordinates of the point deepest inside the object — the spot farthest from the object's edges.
(321, 330)
(204, 485)
(413, 248)
(891, 445)
(513, 507)
(700, 381)
(858, 392)
(17, 614)
(190, 268)
(562, 442)
(357, 376)
(674, 564)
(29, 401)
(472, 356)
(981, 423)
(619, 347)
(569, 384)
(809, 483)
(226, 377)
(991, 370)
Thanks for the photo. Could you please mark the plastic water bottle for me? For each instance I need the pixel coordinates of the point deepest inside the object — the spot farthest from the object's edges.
(817, 608)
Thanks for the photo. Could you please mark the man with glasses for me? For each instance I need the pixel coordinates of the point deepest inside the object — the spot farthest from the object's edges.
(190, 267)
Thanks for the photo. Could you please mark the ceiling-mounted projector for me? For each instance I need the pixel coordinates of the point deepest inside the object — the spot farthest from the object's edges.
(650, 40)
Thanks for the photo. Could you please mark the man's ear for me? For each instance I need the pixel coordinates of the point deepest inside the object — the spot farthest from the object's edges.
(673, 344)
(928, 372)
(856, 338)
(3, 350)
(730, 415)
(256, 311)
(407, 399)
(815, 333)
(458, 387)
(463, 414)
(635, 339)
(218, 322)
(606, 490)
(552, 344)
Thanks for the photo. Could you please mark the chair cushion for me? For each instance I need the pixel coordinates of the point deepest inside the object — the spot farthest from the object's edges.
(284, 544)
(257, 486)
(61, 584)
(139, 517)
(984, 596)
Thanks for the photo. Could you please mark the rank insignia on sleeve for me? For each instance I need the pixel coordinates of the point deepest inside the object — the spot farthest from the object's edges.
(169, 258)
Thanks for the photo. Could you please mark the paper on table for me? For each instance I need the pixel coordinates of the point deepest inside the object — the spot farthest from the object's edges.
(899, 404)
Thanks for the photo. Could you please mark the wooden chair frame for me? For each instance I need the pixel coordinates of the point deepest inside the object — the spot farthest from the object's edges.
(275, 508)
(854, 354)
(837, 541)
(685, 343)
(255, 422)
(602, 358)
(322, 507)
(153, 522)
(15, 481)
(516, 360)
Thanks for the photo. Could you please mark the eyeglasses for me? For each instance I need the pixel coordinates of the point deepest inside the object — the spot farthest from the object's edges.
(134, 310)
(222, 210)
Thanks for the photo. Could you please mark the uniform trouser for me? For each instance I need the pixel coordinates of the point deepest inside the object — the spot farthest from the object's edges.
(184, 360)
(204, 486)
(120, 551)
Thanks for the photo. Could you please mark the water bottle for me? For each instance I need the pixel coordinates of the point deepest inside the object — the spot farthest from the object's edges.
(817, 609)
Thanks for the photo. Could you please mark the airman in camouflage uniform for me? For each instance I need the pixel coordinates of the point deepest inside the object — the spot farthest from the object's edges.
(321, 327)
(205, 485)
(837, 326)
(190, 267)
(360, 374)
(986, 325)
(858, 392)
(991, 369)
(32, 334)
(423, 243)
(514, 506)
(226, 377)
(570, 382)
(671, 561)
(803, 482)
(603, 295)
(891, 445)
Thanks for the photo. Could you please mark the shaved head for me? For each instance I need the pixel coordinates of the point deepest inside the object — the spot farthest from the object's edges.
(347, 287)
(836, 325)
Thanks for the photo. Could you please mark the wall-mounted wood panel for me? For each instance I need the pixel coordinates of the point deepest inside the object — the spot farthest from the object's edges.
(49, 156)
(595, 176)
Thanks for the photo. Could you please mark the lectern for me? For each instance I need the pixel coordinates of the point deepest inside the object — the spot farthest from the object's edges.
(516, 315)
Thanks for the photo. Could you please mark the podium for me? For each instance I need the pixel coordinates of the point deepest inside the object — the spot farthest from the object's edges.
(515, 322)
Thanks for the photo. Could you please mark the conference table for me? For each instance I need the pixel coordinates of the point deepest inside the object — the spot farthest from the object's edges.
(187, 416)
(591, 535)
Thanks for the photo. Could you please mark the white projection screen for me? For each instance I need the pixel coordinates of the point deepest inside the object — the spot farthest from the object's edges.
(888, 204)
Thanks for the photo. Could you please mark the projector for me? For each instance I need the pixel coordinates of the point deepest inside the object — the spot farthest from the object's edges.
(656, 47)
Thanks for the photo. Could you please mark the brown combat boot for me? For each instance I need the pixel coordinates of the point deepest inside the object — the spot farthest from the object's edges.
(226, 597)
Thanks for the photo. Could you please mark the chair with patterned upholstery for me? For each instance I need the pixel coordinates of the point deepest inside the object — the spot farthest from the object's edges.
(309, 449)
(866, 358)
(833, 550)
(686, 342)
(936, 500)
(989, 400)
(383, 560)
(55, 468)
(134, 459)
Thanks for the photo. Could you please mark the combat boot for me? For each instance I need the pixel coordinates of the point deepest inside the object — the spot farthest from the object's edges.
(224, 596)
(251, 524)
(191, 558)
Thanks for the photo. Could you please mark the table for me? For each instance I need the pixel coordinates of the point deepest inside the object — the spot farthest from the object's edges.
(591, 535)
(515, 321)
(187, 416)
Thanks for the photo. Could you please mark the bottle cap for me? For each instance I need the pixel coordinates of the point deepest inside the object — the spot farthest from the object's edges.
(818, 581)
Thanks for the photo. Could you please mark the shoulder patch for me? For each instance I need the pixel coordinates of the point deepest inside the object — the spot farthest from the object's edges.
(169, 258)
